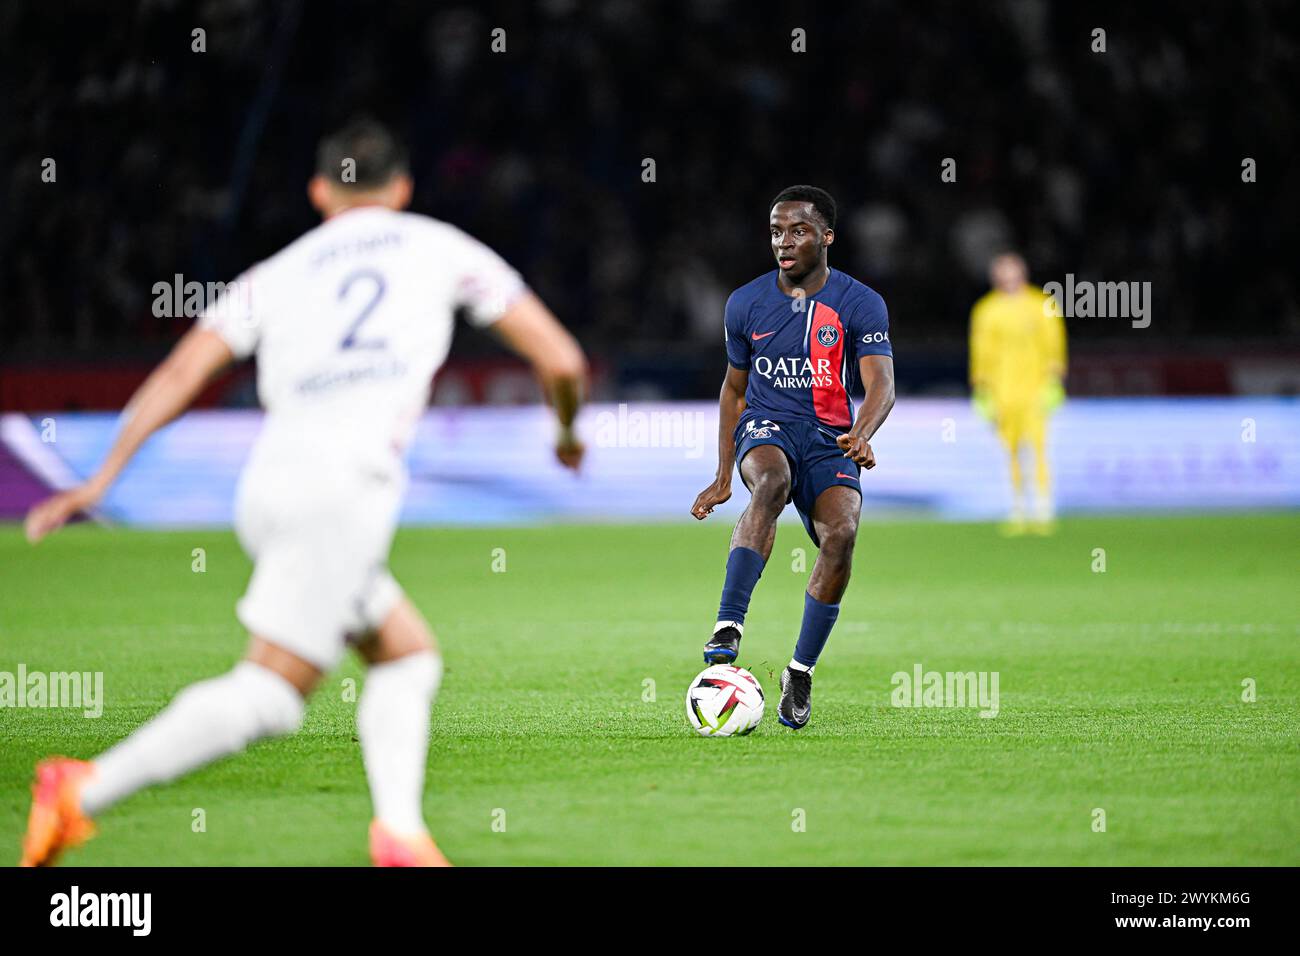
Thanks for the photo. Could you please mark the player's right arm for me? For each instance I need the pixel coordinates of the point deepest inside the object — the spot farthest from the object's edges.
(167, 392)
(731, 404)
(497, 298)
(979, 359)
(531, 330)
(978, 334)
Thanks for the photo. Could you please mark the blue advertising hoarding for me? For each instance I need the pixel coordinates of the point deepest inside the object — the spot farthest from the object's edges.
(647, 461)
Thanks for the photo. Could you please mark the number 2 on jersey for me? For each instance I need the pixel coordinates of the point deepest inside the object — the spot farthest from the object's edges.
(350, 341)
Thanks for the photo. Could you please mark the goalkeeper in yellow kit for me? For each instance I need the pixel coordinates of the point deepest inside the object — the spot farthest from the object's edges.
(1017, 365)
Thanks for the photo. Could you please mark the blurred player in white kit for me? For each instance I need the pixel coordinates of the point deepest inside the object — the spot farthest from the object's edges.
(349, 324)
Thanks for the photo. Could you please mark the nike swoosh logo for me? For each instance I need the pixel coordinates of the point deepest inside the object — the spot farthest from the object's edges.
(763, 336)
(840, 474)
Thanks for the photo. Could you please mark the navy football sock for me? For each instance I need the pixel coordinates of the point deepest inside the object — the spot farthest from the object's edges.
(818, 619)
(744, 567)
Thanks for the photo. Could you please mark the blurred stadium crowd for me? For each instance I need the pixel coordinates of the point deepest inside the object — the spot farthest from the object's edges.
(1115, 166)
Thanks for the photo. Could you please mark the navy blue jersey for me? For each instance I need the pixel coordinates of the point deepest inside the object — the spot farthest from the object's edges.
(802, 352)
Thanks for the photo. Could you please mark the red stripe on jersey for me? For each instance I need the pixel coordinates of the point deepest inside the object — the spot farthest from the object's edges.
(830, 400)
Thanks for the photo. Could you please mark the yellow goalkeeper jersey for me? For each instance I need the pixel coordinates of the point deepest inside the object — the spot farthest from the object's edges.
(1017, 345)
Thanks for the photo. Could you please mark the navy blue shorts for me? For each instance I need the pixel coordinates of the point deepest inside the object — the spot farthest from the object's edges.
(816, 462)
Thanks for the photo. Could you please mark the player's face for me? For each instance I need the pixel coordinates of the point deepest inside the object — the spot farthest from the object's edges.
(1008, 273)
(798, 240)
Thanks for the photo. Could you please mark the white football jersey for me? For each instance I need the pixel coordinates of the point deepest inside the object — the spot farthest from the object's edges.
(349, 324)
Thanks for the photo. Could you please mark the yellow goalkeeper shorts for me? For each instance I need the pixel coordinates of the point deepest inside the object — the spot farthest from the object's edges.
(1021, 422)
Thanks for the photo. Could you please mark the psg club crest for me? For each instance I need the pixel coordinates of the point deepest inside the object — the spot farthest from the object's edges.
(828, 335)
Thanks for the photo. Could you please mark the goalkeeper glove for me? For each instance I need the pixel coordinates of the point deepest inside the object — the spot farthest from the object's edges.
(1053, 394)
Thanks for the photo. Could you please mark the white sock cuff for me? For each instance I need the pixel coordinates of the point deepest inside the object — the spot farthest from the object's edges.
(420, 672)
(796, 666)
(277, 703)
(740, 628)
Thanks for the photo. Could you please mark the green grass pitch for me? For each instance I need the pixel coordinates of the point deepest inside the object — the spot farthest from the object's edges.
(1120, 690)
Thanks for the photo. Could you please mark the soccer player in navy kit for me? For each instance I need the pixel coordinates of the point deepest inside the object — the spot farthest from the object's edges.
(795, 339)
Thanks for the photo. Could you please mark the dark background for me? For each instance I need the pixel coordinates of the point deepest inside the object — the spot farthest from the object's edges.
(1116, 166)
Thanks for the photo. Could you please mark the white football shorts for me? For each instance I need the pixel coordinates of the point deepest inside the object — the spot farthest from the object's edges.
(319, 544)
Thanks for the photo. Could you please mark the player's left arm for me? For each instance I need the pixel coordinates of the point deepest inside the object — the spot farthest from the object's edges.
(1053, 350)
(170, 388)
(877, 373)
(867, 322)
(1055, 346)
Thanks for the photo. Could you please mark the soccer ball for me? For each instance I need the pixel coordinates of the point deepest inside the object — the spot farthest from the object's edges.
(723, 701)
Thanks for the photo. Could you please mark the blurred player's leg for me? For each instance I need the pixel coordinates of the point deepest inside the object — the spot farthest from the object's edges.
(261, 697)
(1010, 422)
(1044, 506)
(766, 473)
(1016, 519)
(393, 724)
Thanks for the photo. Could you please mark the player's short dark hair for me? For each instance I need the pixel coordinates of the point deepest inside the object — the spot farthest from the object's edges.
(821, 200)
(377, 155)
